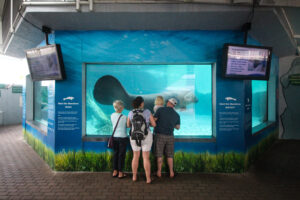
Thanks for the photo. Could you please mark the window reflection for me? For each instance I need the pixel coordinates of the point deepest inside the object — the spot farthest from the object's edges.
(41, 102)
(259, 102)
(191, 85)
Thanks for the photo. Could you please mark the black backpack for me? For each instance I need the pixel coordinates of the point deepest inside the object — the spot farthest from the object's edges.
(139, 127)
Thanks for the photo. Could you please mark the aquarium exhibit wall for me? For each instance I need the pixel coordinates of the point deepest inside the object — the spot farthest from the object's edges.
(225, 123)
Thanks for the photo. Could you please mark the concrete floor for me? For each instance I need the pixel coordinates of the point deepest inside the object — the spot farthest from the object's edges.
(24, 175)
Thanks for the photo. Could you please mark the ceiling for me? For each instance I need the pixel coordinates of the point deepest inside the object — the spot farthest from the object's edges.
(1, 11)
(293, 14)
(271, 26)
(1, 7)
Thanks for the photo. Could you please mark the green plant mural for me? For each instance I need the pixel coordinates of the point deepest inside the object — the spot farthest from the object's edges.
(229, 162)
(183, 162)
(256, 151)
(44, 152)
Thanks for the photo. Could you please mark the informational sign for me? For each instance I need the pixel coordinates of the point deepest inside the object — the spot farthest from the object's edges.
(230, 116)
(2, 86)
(247, 61)
(17, 89)
(294, 79)
(248, 113)
(67, 114)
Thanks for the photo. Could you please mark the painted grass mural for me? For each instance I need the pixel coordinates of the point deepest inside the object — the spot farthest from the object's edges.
(256, 151)
(229, 162)
(44, 152)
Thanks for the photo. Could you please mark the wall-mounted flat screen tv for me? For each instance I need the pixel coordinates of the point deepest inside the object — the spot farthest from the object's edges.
(46, 63)
(246, 62)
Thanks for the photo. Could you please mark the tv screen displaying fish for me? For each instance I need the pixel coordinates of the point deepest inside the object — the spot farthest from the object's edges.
(45, 63)
(190, 85)
(246, 62)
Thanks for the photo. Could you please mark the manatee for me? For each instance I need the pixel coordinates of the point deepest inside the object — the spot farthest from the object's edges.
(108, 89)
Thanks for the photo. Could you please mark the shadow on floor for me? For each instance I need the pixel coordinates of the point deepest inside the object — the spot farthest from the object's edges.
(282, 159)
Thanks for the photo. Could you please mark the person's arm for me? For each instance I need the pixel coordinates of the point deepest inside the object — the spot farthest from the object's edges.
(128, 122)
(177, 126)
(111, 119)
(152, 121)
(156, 114)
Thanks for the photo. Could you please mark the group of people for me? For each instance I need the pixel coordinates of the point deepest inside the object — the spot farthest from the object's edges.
(164, 120)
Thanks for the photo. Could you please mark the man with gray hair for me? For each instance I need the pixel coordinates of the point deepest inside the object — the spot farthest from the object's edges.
(166, 120)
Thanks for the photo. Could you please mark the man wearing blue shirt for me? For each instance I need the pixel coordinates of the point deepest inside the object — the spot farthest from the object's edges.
(166, 120)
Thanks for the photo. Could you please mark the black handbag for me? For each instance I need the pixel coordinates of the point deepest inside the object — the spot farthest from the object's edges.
(110, 142)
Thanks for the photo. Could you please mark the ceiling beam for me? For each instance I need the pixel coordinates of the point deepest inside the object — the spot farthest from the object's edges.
(280, 3)
(264, 3)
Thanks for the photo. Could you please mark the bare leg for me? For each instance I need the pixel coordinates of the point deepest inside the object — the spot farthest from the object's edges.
(147, 165)
(170, 163)
(135, 164)
(159, 165)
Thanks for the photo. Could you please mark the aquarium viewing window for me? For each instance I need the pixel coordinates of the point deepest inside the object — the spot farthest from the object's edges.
(41, 102)
(191, 85)
(259, 103)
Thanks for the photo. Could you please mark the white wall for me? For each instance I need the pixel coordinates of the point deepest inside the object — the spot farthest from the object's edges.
(285, 64)
(10, 107)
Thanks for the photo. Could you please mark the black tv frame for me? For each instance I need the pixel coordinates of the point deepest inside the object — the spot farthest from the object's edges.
(245, 77)
(60, 62)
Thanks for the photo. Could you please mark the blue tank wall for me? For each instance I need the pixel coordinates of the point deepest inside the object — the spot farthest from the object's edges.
(169, 47)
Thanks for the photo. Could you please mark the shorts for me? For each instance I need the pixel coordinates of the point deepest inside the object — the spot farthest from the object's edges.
(164, 144)
(146, 143)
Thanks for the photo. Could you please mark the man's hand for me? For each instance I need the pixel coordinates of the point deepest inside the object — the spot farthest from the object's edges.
(177, 126)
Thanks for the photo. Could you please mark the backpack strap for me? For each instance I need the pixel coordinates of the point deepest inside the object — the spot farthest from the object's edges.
(116, 125)
(138, 142)
(137, 110)
(146, 130)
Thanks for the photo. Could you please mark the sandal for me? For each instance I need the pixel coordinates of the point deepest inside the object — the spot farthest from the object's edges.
(123, 176)
(175, 174)
(157, 175)
(134, 180)
(151, 181)
(116, 175)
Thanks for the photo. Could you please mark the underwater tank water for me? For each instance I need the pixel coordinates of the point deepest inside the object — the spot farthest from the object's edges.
(191, 85)
(259, 102)
(41, 102)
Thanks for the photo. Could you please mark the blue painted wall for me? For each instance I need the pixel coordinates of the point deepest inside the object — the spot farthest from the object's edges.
(152, 47)
(47, 138)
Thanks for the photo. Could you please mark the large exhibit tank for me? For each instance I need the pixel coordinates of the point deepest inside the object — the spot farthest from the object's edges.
(191, 85)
